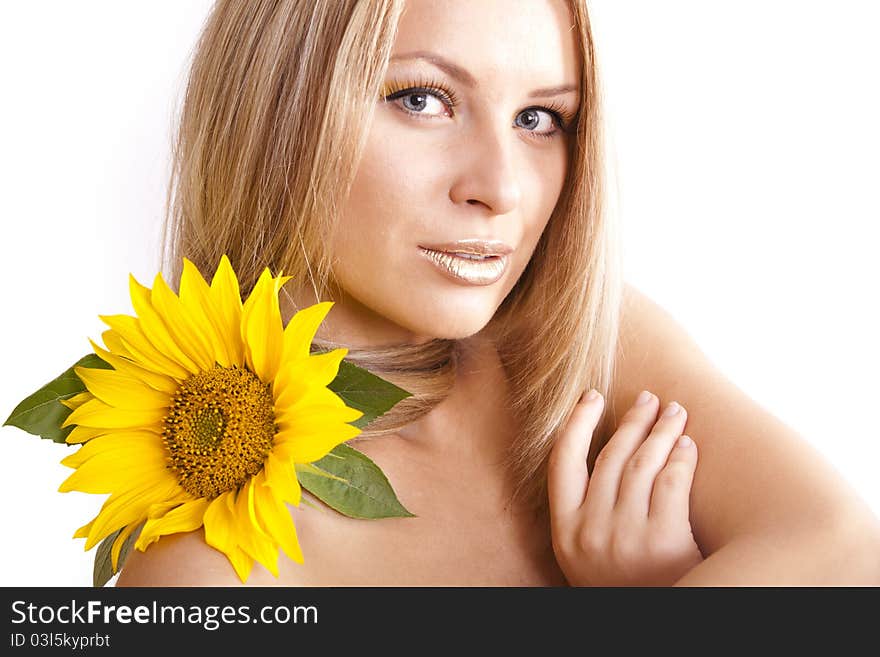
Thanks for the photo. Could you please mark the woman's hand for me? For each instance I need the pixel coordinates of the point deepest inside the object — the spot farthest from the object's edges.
(627, 524)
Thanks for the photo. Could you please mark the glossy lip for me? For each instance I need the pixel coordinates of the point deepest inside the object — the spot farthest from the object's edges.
(472, 246)
(465, 270)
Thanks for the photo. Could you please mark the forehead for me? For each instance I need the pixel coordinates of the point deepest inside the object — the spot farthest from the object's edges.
(528, 41)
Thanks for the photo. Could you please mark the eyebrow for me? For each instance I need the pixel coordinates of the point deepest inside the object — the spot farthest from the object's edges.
(463, 76)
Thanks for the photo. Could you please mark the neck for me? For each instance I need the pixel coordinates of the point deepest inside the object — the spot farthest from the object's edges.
(476, 406)
(349, 323)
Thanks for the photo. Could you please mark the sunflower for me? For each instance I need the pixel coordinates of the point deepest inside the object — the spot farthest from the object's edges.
(209, 406)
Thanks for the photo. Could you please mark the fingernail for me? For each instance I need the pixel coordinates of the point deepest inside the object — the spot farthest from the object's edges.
(593, 395)
(644, 398)
(671, 410)
(684, 441)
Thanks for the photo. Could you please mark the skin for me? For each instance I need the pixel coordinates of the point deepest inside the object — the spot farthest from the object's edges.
(628, 524)
(760, 508)
(453, 173)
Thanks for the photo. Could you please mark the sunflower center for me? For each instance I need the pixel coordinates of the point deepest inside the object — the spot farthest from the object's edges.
(219, 429)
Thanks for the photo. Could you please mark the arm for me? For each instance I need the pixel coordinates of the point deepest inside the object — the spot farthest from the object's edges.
(848, 555)
(765, 508)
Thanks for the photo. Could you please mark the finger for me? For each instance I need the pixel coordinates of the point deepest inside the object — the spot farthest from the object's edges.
(672, 487)
(608, 469)
(567, 464)
(634, 497)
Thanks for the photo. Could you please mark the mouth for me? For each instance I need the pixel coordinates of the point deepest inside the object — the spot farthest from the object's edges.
(466, 267)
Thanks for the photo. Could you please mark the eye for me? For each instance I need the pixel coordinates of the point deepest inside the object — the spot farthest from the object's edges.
(416, 98)
(540, 128)
(417, 101)
(560, 120)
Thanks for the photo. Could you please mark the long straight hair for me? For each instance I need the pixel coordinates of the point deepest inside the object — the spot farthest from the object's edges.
(266, 149)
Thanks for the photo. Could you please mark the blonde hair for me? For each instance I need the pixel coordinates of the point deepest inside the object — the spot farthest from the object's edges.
(268, 141)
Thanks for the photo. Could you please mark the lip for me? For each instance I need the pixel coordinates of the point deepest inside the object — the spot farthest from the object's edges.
(466, 270)
(472, 246)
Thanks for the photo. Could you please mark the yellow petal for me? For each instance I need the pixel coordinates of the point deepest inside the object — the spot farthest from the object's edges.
(295, 377)
(83, 532)
(115, 345)
(261, 326)
(301, 329)
(159, 509)
(221, 534)
(312, 419)
(227, 300)
(195, 295)
(96, 413)
(281, 477)
(142, 350)
(145, 444)
(182, 324)
(95, 477)
(309, 448)
(123, 365)
(121, 390)
(290, 383)
(82, 434)
(187, 517)
(113, 472)
(219, 526)
(157, 328)
(316, 396)
(242, 562)
(131, 505)
(323, 368)
(77, 400)
(251, 536)
(275, 517)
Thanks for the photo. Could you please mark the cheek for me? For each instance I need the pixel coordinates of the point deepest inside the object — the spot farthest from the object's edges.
(381, 215)
(548, 188)
(396, 171)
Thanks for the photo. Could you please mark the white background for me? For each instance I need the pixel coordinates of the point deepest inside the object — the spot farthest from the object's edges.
(746, 144)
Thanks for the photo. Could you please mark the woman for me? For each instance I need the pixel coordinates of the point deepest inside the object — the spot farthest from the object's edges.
(436, 169)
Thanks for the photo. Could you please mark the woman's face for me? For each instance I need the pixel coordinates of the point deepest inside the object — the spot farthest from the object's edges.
(465, 145)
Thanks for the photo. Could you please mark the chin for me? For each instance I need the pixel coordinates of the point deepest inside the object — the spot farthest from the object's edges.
(456, 334)
(449, 327)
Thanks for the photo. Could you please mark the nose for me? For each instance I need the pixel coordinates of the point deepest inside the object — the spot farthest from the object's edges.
(488, 175)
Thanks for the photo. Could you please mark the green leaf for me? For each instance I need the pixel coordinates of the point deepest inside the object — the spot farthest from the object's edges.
(364, 491)
(103, 569)
(363, 390)
(42, 413)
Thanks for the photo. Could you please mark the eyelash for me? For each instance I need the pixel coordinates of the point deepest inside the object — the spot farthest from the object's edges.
(561, 116)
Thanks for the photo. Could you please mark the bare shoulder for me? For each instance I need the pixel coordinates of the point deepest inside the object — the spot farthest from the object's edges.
(651, 344)
(178, 560)
(648, 332)
(745, 453)
(187, 560)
